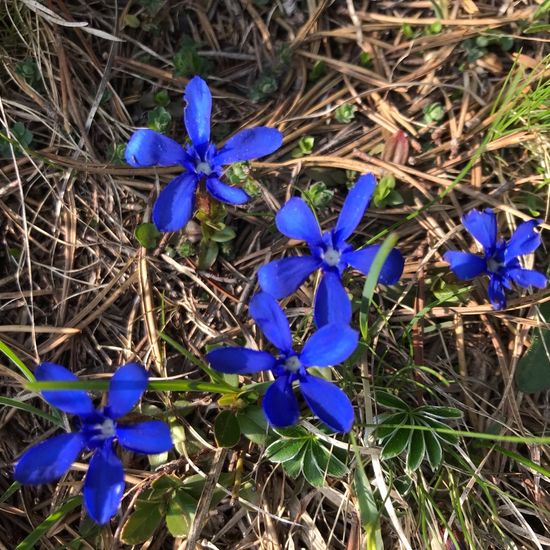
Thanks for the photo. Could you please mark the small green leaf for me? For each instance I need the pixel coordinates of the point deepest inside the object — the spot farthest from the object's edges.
(162, 99)
(294, 466)
(318, 195)
(311, 469)
(305, 147)
(533, 372)
(131, 21)
(450, 438)
(435, 112)
(180, 514)
(142, 524)
(365, 59)
(440, 412)
(253, 424)
(159, 119)
(208, 253)
(433, 450)
(416, 450)
(226, 429)
(390, 401)
(345, 113)
(224, 235)
(328, 462)
(284, 450)
(388, 422)
(318, 70)
(396, 443)
(147, 235)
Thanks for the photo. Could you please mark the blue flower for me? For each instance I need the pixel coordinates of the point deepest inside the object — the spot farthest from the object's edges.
(330, 252)
(501, 258)
(200, 159)
(104, 481)
(330, 345)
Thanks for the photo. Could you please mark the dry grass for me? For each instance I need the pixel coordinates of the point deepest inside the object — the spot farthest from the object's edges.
(76, 288)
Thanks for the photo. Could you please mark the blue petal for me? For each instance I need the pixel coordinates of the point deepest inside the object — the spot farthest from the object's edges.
(283, 277)
(234, 360)
(354, 206)
(527, 277)
(496, 293)
(328, 402)
(332, 304)
(482, 226)
(249, 144)
(49, 460)
(272, 321)
(174, 205)
(196, 114)
(330, 345)
(103, 485)
(149, 148)
(150, 438)
(525, 240)
(465, 265)
(280, 404)
(362, 261)
(71, 401)
(296, 220)
(226, 193)
(125, 389)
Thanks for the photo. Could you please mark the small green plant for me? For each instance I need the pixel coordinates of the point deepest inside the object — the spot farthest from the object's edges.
(434, 28)
(397, 433)
(434, 112)
(21, 139)
(147, 235)
(29, 70)
(267, 82)
(188, 62)
(408, 31)
(365, 59)
(305, 147)
(345, 113)
(159, 119)
(318, 70)
(161, 98)
(300, 451)
(238, 174)
(478, 46)
(385, 193)
(318, 195)
(115, 153)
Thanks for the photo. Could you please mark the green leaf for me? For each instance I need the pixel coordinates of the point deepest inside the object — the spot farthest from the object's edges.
(23, 406)
(318, 195)
(253, 424)
(284, 450)
(224, 235)
(208, 253)
(294, 466)
(387, 425)
(12, 356)
(450, 438)
(180, 514)
(345, 113)
(142, 523)
(162, 98)
(226, 429)
(159, 119)
(533, 372)
(440, 412)
(311, 469)
(147, 235)
(365, 59)
(328, 462)
(390, 401)
(433, 450)
(396, 443)
(416, 450)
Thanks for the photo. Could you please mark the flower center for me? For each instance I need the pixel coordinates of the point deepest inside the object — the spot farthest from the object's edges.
(105, 430)
(292, 364)
(493, 265)
(331, 257)
(204, 168)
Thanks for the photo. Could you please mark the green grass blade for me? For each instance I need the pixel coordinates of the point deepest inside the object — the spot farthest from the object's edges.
(22, 406)
(12, 356)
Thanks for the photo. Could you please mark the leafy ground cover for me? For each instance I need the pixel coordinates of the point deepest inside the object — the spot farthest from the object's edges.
(446, 102)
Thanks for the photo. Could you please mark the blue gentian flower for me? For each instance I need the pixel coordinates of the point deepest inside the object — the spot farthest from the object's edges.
(98, 429)
(501, 259)
(200, 159)
(330, 252)
(330, 345)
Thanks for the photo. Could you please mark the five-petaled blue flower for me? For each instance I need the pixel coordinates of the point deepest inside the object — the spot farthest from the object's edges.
(201, 160)
(104, 481)
(329, 251)
(501, 259)
(330, 345)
